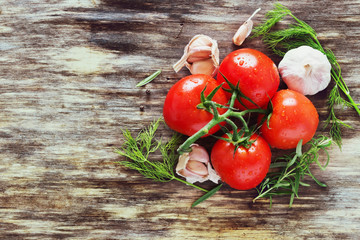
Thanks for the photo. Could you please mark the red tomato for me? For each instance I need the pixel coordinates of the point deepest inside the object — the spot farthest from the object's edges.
(256, 73)
(294, 117)
(247, 168)
(180, 108)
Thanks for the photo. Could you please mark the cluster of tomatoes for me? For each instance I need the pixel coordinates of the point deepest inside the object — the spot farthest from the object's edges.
(293, 117)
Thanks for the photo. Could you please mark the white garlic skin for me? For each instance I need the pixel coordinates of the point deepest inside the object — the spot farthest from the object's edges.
(305, 70)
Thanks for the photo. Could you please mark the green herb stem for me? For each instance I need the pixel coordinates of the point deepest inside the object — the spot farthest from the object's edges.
(148, 79)
(352, 102)
(207, 195)
(190, 184)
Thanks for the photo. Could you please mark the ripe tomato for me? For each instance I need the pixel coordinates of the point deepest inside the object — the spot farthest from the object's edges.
(180, 108)
(247, 168)
(294, 117)
(256, 73)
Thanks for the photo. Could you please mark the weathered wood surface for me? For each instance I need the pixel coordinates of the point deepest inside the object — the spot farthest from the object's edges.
(67, 86)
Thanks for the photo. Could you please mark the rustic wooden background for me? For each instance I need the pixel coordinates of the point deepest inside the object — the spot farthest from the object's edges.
(67, 87)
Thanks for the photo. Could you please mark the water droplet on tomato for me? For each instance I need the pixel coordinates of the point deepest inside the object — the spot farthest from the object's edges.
(289, 102)
(241, 62)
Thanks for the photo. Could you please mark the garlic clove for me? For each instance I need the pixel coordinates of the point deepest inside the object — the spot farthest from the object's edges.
(244, 30)
(199, 53)
(199, 49)
(200, 40)
(195, 166)
(202, 67)
(190, 175)
(249, 24)
(242, 33)
(199, 153)
(305, 70)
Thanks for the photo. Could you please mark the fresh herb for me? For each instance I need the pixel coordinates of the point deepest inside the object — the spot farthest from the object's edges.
(299, 34)
(207, 195)
(148, 79)
(294, 168)
(137, 150)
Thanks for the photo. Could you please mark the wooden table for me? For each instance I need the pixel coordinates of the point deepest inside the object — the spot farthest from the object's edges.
(67, 88)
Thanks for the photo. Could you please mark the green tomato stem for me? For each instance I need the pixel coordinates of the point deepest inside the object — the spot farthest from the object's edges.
(203, 131)
(217, 120)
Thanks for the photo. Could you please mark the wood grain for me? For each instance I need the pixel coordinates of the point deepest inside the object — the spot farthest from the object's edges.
(67, 87)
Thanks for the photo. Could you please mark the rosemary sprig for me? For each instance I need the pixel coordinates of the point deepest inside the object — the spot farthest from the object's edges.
(207, 195)
(298, 34)
(148, 79)
(137, 150)
(294, 168)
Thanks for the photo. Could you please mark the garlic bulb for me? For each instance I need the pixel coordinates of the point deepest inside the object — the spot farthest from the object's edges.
(305, 70)
(195, 165)
(244, 30)
(201, 56)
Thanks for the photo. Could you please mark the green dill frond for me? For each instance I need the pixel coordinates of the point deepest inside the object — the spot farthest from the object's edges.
(169, 153)
(137, 152)
(332, 120)
(283, 40)
(138, 149)
(271, 18)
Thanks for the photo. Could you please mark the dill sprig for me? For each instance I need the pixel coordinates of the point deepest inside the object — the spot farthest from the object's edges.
(137, 150)
(294, 168)
(299, 34)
